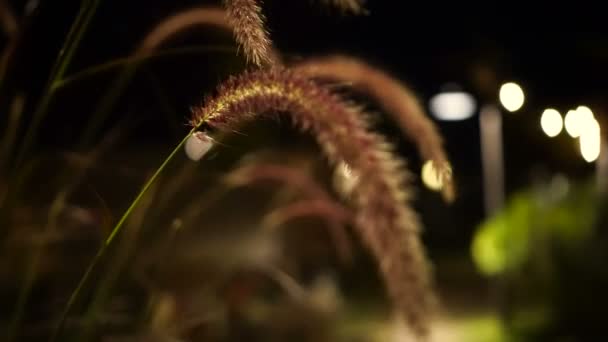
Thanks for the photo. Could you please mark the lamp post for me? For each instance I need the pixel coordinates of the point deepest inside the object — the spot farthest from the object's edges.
(492, 160)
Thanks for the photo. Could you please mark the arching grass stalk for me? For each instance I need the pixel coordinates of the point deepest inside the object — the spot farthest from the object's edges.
(115, 231)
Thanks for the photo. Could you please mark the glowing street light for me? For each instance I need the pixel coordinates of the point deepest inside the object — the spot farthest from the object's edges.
(585, 112)
(452, 105)
(511, 96)
(572, 123)
(577, 120)
(551, 122)
(590, 140)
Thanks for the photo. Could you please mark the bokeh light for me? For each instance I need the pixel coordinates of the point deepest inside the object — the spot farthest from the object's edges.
(577, 119)
(551, 122)
(590, 140)
(345, 179)
(585, 112)
(452, 106)
(430, 176)
(571, 123)
(511, 96)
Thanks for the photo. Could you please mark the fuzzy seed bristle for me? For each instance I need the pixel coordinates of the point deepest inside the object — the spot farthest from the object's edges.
(248, 22)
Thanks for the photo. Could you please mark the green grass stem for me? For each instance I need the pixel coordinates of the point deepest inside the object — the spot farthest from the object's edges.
(108, 241)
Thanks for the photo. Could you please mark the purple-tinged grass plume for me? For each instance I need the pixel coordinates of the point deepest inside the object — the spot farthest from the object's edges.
(395, 98)
(384, 220)
(247, 20)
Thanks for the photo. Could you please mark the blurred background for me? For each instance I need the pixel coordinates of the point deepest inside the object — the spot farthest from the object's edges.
(211, 253)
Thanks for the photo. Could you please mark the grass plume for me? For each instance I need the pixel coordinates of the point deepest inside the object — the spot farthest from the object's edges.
(385, 222)
(395, 98)
(247, 20)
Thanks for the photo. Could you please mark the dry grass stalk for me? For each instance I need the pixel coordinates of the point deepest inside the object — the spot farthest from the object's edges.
(395, 98)
(181, 22)
(188, 19)
(384, 221)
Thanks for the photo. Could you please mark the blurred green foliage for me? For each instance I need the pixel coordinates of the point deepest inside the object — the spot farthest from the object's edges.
(506, 241)
(547, 251)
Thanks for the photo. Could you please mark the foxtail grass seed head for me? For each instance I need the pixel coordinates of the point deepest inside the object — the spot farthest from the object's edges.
(197, 145)
(395, 98)
(384, 220)
(248, 22)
